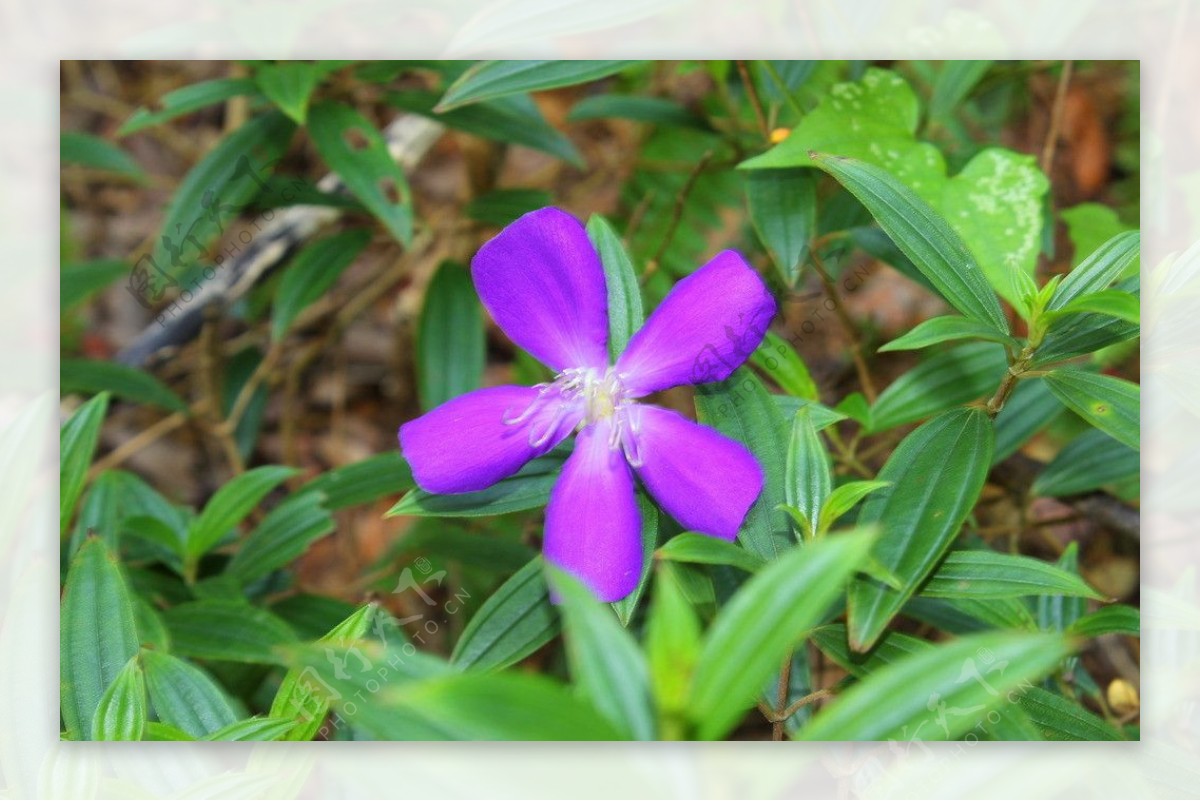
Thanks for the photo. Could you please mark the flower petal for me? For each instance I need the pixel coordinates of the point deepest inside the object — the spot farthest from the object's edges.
(542, 282)
(702, 478)
(593, 528)
(465, 445)
(702, 331)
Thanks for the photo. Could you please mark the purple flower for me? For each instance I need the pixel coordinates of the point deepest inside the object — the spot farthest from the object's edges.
(542, 282)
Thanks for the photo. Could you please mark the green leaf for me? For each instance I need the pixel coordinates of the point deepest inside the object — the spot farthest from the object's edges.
(510, 625)
(454, 541)
(946, 329)
(185, 100)
(1057, 612)
(487, 80)
(502, 206)
(289, 85)
(256, 729)
(701, 549)
(97, 635)
(908, 699)
(953, 84)
(921, 234)
(92, 151)
(230, 505)
(214, 191)
(651, 522)
(987, 575)
(184, 696)
(283, 535)
(79, 281)
(233, 631)
(515, 120)
(1098, 270)
(967, 615)
(741, 409)
(161, 732)
(937, 473)
(606, 665)
(1089, 226)
(946, 379)
(808, 477)
(1112, 619)
(1108, 302)
(363, 482)
(1111, 404)
(121, 713)
(780, 362)
(1059, 719)
(355, 150)
(653, 110)
(89, 376)
(528, 489)
(450, 338)
(625, 312)
(822, 416)
(845, 498)
(311, 273)
(1029, 409)
(1090, 461)
(672, 650)
(783, 209)
(761, 624)
(295, 700)
(77, 444)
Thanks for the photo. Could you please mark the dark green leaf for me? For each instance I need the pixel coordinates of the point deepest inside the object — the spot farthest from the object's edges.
(481, 550)
(358, 153)
(967, 615)
(783, 209)
(1091, 460)
(515, 120)
(502, 206)
(923, 236)
(89, 376)
(606, 665)
(1111, 404)
(654, 110)
(311, 273)
(363, 482)
(528, 489)
(97, 635)
(77, 282)
(1029, 409)
(946, 329)
(822, 416)
(1113, 619)
(761, 624)
(950, 378)
(701, 549)
(282, 536)
(741, 408)
(937, 473)
(780, 362)
(92, 151)
(450, 338)
(289, 85)
(184, 696)
(651, 522)
(230, 505)
(625, 313)
(907, 699)
(987, 575)
(953, 84)
(77, 444)
(185, 100)
(1059, 719)
(121, 714)
(487, 80)
(233, 631)
(513, 623)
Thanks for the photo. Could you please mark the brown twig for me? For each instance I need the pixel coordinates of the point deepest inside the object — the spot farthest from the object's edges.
(676, 215)
(781, 696)
(778, 716)
(142, 439)
(755, 103)
(1056, 117)
(860, 364)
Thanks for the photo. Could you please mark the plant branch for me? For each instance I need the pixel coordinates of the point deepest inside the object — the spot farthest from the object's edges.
(676, 215)
(755, 103)
(860, 364)
(1056, 118)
